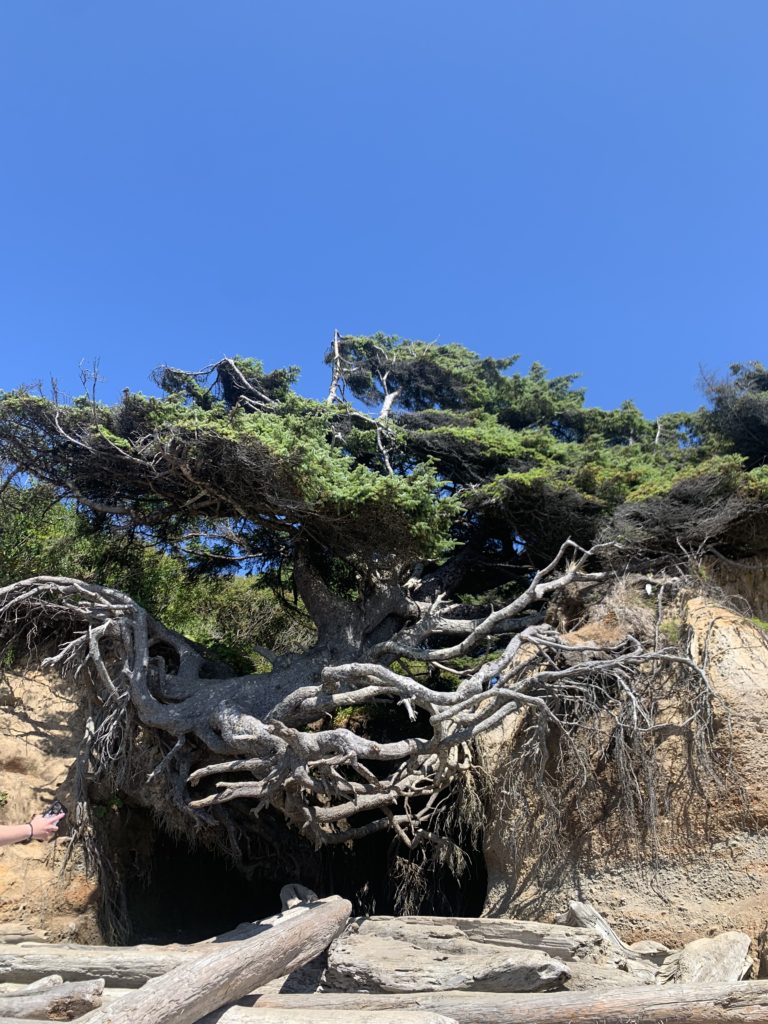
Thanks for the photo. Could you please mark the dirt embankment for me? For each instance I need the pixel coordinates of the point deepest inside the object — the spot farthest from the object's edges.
(709, 872)
(40, 728)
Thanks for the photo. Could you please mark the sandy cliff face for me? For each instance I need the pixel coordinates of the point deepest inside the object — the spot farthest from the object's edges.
(39, 733)
(711, 868)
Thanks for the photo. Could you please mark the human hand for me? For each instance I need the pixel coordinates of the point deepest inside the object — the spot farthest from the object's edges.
(45, 826)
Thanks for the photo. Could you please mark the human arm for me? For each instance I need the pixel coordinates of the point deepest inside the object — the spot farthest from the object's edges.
(40, 827)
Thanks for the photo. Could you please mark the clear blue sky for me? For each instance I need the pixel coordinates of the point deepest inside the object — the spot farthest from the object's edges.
(584, 182)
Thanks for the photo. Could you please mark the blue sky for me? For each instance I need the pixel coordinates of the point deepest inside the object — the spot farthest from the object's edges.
(579, 181)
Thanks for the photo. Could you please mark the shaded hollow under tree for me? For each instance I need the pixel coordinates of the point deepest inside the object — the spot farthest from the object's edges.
(406, 543)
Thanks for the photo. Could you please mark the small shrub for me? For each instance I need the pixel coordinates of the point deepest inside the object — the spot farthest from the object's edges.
(672, 630)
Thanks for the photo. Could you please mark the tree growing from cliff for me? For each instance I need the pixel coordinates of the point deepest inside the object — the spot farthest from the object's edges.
(417, 523)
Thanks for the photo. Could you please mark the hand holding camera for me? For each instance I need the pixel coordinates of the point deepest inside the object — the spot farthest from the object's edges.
(45, 826)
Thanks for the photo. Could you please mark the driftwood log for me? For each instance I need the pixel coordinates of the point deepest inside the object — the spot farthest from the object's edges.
(44, 1001)
(119, 966)
(132, 966)
(584, 915)
(20, 933)
(561, 941)
(49, 981)
(244, 1015)
(204, 983)
(127, 967)
(244, 1011)
(723, 957)
(742, 1002)
(386, 955)
(643, 964)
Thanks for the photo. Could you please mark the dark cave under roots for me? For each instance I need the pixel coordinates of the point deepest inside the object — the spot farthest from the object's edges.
(169, 888)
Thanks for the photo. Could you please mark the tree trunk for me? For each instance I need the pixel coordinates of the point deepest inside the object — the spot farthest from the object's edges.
(744, 1002)
(58, 1002)
(203, 984)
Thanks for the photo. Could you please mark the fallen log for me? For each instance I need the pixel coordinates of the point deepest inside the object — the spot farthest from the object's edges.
(204, 983)
(58, 1002)
(119, 966)
(560, 941)
(742, 1002)
(132, 966)
(391, 957)
(233, 1013)
(126, 966)
(245, 1015)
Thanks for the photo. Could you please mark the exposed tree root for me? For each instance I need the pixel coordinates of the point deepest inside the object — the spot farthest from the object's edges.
(245, 739)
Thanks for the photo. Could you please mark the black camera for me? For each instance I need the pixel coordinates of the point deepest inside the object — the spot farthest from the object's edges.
(57, 807)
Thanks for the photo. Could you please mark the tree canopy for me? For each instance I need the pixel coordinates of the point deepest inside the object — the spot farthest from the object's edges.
(420, 453)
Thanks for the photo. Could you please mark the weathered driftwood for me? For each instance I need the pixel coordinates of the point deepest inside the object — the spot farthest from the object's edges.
(561, 941)
(128, 966)
(132, 966)
(247, 1015)
(237, 1012)
(741, 1002)
(20, 933)
(120, 967)
(585, 915)
(53, 1002)
(587, 977)
(204, 983)
(723, 957)
(48, 981)
(391, 957)
(643, 965)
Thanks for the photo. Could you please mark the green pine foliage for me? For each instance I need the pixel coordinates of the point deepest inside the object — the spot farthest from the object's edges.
(198, 502)
(41, 535)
